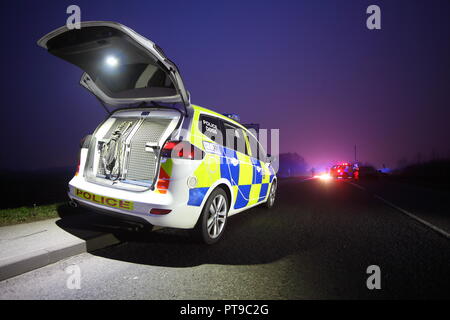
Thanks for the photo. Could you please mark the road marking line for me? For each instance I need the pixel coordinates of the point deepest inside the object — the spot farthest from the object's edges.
(413, 216)
(409, 214)
(283, 180)
(357, 185)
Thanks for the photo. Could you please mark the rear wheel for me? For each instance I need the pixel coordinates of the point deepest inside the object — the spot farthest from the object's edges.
(272, 195)
(212, 222)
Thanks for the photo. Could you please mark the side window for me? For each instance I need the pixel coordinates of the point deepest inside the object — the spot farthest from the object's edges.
(211, 127)
(258, 151)
(235, 138)
(262, 154)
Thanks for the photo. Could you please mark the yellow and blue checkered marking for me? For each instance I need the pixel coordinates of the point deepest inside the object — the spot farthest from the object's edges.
(196, 196)
(249, 177)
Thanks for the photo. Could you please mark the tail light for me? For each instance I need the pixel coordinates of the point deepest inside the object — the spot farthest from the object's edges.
(160, 211)
(174, 150)
(181, 150)
(162, 184)
(78, 166)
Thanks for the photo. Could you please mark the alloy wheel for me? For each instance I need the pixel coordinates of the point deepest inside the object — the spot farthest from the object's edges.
(217, 216)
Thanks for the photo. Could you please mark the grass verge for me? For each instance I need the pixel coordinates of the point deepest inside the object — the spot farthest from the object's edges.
(28, 214)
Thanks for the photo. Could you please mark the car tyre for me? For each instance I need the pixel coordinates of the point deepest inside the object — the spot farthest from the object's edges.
(213, 219)
(272, 195)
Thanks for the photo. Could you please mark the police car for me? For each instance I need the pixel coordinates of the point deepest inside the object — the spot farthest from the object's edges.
(158, 158)
(344, 170)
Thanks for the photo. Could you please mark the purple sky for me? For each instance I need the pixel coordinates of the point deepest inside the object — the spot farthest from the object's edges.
(310, 68)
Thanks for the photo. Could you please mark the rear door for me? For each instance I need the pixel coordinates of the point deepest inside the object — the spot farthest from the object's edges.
(261, 171)
(238, 159)
(121, 67)
(209, 171)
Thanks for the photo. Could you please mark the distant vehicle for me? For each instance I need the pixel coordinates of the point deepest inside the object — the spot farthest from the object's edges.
(344, 171)
(368, 172)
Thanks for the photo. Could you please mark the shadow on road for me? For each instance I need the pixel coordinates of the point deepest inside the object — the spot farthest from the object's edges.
(306, 216)
(249, 239)
(256, 236)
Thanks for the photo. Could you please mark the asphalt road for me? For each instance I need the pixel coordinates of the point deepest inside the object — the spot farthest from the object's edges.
(316, 243)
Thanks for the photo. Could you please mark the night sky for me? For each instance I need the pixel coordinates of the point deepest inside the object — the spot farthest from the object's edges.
(310, 68)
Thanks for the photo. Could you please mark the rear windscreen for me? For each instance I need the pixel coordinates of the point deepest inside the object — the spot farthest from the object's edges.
(341, 167)
(119, 66)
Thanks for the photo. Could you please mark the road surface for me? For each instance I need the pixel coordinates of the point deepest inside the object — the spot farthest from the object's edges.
(316, 243)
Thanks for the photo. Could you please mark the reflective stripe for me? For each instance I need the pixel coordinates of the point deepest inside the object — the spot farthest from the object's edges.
(266, 177)
(208, 172)
(254, 194)
(245, 169)
(196, 196)
(257, 171)
(263, 192)
(165, 172)
(242, 196)
(231, 162)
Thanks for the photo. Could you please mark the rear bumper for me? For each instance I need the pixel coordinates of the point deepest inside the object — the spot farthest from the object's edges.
(344, 176)
(116, 215)
(181, 216)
